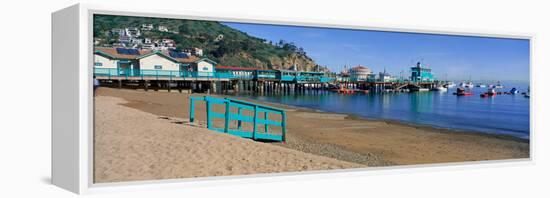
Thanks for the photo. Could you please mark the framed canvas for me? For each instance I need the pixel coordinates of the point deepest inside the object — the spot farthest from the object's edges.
(160, 99)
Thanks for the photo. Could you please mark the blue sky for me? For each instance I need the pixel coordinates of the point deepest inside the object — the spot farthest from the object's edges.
(451, 57)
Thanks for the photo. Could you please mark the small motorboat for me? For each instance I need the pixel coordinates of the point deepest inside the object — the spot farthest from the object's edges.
(345, 91)
(514, 91)
(490, 92)
(462, 92)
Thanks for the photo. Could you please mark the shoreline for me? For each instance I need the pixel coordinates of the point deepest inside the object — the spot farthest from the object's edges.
(392, 121)
(371, 142)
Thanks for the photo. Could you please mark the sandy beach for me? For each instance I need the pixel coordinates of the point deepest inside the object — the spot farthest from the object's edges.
(133, 145)
(126, 149)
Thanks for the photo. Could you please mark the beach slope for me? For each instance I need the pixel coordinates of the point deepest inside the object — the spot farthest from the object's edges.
(131, 145)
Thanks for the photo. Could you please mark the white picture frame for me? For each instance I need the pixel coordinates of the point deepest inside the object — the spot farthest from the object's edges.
(72, 102)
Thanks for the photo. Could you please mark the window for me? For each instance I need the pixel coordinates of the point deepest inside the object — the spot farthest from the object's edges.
(98, 64)
(205, 68)
(158, 66)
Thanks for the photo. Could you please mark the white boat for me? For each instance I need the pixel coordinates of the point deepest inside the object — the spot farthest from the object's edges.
(481, 85)
(440, 88)
(450, 85)
(498, 85)
(514, 91)
(469, 85)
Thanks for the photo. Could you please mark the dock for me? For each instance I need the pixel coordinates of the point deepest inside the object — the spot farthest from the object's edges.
(255, 81)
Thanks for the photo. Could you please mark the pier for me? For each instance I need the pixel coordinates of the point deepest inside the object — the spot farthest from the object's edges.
(251, 80)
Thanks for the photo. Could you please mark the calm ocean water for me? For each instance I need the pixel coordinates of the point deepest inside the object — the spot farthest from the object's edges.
(502, 114)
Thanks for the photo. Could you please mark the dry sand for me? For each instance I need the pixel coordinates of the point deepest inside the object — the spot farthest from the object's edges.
(337, 136)
(134, 145)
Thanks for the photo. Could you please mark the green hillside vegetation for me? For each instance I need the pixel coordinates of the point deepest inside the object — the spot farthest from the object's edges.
(237, 48)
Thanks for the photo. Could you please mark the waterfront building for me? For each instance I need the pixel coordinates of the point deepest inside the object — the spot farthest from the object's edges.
(134, 62)
(238, 72)
(344, 75)
(117, 60)
(372, 78)
(359, 73)
(386, 77)
(201, 66)
(420, 73)
(159, 63)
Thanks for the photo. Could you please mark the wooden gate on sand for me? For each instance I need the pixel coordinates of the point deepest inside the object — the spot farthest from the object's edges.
(237, 113)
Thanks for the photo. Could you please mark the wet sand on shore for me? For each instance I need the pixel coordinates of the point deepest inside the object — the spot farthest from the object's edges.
(352, 139)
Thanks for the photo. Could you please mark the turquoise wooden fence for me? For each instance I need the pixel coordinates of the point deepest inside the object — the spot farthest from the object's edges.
(238, 117)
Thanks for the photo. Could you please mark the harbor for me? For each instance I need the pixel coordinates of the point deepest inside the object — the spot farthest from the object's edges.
(419, 98)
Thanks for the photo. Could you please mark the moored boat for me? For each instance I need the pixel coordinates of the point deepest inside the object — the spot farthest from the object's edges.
(462, 92)
(450, 85)
(514, 91)
(490, 92)
(469, 85)
(440, 88)
(498, 86)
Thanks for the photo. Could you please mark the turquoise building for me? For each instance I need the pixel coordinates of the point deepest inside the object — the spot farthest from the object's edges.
(421, 74)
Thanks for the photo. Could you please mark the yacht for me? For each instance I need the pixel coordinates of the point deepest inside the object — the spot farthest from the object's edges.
(469, 84)
(440, 88)
(450, 85)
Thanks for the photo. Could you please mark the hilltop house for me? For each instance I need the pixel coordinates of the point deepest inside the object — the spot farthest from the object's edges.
(162, 28)
(133, 32)
(193, 51)
(118, 31)
(147, 27)
(147, 44)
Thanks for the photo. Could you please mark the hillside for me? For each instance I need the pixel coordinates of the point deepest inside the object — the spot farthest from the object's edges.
(233, 47)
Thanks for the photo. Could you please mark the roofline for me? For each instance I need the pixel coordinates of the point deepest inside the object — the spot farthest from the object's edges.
(104, 54)
(160, 54)
(207, 60)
